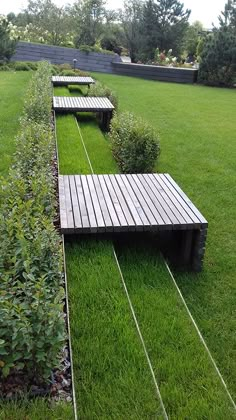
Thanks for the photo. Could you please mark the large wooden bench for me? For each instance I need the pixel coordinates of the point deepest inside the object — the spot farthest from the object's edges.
(74, 104)
(92, 204)
(72, 80)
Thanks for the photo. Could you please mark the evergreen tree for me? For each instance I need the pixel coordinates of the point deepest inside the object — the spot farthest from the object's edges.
(218, 58)
(131, 23)
(164, 25)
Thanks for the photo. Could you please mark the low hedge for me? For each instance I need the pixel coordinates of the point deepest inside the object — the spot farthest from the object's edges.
(32, 327)
(99, 90)
(135, 145)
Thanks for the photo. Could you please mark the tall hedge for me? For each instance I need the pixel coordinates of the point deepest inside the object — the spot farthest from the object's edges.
(32, 327)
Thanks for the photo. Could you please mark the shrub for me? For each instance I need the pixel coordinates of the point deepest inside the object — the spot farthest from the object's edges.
(7, 43)
(38, 100)
(100, 90)
(218, 58)
(68, 73)
(31, 292)
(21, 66)
(135, 145)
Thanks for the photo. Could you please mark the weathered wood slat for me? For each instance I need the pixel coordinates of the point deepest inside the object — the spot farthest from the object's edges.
(115, 203)
(71, 80)
(75, 204)
(82, 104)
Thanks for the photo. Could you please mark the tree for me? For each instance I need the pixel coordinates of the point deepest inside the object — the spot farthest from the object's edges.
(52, 22)
(164, 25)
(7, 45)
(192, 38)
(131, 21)
(218, 58)
(88, 16)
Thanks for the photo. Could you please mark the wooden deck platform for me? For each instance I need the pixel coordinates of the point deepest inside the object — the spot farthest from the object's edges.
(72, 80)
(125, 203)
(102, 106)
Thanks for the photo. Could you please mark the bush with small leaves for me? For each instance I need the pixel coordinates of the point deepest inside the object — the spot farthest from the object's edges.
(135, 145)
(32, 327)
(100, 90)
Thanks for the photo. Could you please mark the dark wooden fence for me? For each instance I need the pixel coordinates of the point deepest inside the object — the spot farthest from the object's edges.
(104, 63)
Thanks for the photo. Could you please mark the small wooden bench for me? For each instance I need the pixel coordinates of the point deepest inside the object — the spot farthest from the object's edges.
(85, 104)
(133, 203)
(72, 80)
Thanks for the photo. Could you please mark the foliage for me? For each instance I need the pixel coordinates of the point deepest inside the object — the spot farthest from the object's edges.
(163, 24)
(88, 15)
(98, 89)
(164, 59)
(21, 66)
(135, 145)
(7, 42)
(31, 292)
(48, 23)
(94, 48)
(218, 57)
(130, 18)
(192, 38)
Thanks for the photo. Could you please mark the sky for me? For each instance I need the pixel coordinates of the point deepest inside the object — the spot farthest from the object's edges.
(207, 11)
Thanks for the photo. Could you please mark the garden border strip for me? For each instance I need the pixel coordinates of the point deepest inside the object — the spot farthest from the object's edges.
(131, 306)
(200, 335)
(66, 287)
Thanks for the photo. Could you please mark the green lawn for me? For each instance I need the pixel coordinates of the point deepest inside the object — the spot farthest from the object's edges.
(188, 381)
(13, 86)
(197, 127)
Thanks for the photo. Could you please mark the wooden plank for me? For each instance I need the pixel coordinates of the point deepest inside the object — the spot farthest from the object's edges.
(115, 201)
(89, 204)
(180, 213)
(152, 222)
(69, 211)
(103, 205)
(82, 204)
(75, 204)
(62, 204)
(168, 217)
(112, 212)
(184, 197)
(182, 209)
(96, 205)
(130, 204)
(126, 210)
(145, 193)
(176, 217)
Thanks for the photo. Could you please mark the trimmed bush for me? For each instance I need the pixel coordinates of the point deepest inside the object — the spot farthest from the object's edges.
(32, 327)
(99, 90)
(135, 145)
(21, 66)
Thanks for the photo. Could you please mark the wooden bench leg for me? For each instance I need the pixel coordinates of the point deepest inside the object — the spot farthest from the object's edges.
(199, 245)
(186, 248)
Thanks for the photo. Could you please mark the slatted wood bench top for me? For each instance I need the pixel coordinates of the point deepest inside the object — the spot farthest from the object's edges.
(82, 104)
(72, 80)
(116, 203)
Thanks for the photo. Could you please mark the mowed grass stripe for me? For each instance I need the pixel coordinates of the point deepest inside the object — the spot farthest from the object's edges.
(188, 381)
(112, 378)
(12, 87)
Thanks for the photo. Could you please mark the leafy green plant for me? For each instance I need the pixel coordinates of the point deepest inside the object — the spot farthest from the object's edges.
(31, 292)
(100, 90)
(135, 145)
(22, 66)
